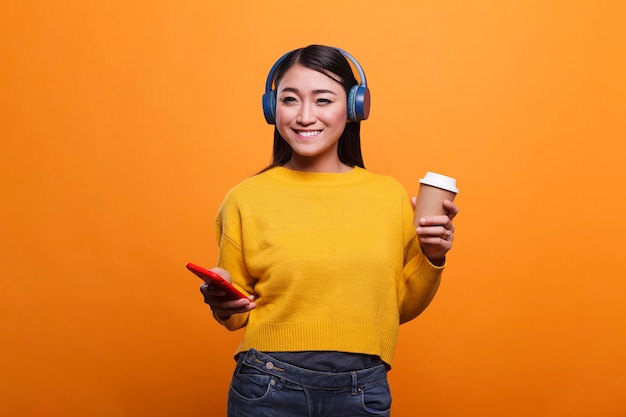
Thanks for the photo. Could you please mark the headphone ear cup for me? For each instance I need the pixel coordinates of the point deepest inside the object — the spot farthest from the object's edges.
(358, 103)
(269, 107)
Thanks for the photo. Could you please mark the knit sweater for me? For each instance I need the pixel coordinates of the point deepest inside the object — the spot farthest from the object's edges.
(333, 261)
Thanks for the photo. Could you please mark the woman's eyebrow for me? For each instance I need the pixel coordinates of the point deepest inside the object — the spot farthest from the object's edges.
(323, 92)
(320, 91)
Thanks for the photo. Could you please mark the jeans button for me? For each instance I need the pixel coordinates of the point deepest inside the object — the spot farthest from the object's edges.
(269, 365)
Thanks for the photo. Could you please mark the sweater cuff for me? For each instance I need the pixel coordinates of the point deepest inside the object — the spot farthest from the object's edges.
(422, 265)
(234, 322)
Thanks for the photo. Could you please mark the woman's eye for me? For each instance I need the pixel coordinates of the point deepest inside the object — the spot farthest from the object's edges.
(288, 99)
(323, 101)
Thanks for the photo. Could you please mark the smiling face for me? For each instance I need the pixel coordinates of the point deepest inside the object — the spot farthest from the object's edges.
(311, 115)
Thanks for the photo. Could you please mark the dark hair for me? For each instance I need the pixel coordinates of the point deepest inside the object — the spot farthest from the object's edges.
(333, 63)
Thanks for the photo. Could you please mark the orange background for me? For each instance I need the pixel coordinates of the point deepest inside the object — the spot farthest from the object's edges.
(123, 124)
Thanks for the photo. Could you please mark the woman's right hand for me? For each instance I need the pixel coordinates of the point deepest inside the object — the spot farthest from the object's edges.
(221, 306)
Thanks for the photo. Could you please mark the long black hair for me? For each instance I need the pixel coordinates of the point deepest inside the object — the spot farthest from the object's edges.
(331, 62)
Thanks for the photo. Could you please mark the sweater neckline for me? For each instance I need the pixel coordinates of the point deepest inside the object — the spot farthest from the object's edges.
(320, 178)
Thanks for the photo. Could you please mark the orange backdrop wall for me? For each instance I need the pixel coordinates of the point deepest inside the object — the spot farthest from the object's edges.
(123, 124)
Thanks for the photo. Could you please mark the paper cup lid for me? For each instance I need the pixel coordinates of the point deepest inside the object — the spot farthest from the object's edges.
(440, 181)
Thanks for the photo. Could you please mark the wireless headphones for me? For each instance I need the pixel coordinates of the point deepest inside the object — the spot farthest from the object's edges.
(358, 96)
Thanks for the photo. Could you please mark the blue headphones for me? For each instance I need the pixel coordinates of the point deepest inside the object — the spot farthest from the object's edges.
(358, 97)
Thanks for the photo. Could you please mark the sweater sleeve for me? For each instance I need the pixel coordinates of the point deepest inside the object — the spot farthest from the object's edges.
(229, 237)
(420, 278)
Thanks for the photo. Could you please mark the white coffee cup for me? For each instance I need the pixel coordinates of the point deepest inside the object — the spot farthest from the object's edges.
(434, 188)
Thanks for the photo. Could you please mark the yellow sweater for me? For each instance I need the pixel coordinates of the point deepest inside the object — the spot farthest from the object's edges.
(332, 259)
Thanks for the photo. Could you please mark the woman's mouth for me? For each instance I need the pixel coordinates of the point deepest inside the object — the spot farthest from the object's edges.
(308, 133)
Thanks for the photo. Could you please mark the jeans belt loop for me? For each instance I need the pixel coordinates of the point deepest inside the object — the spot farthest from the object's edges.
(354, 382)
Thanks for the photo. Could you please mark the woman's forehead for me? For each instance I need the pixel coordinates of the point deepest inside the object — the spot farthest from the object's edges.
(304, 76)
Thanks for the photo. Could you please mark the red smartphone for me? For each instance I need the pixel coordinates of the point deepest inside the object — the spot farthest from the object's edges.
(214, 279)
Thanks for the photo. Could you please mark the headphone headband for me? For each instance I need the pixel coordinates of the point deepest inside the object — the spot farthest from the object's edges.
(358, 96)
(363, 80)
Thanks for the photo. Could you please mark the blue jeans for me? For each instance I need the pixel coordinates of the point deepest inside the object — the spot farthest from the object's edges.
(265, 387)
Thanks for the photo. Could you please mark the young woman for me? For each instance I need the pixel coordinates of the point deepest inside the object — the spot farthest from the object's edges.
(327, 251)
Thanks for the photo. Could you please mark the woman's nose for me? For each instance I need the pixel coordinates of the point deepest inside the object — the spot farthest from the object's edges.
(306, 115)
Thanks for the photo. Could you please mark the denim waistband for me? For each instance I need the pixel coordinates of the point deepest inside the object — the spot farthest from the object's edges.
(312, 379)
(328, 361)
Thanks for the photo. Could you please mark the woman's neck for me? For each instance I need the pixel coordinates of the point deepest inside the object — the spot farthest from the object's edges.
(330, 167)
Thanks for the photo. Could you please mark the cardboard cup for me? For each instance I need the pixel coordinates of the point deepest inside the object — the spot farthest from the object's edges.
(434, 188)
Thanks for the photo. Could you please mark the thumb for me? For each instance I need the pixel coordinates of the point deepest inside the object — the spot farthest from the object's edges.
(222, 273)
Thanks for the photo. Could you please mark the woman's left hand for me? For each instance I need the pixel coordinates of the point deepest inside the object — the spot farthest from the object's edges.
(436, 233)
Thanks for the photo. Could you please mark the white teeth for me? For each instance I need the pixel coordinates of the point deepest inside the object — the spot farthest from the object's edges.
(309, 133)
